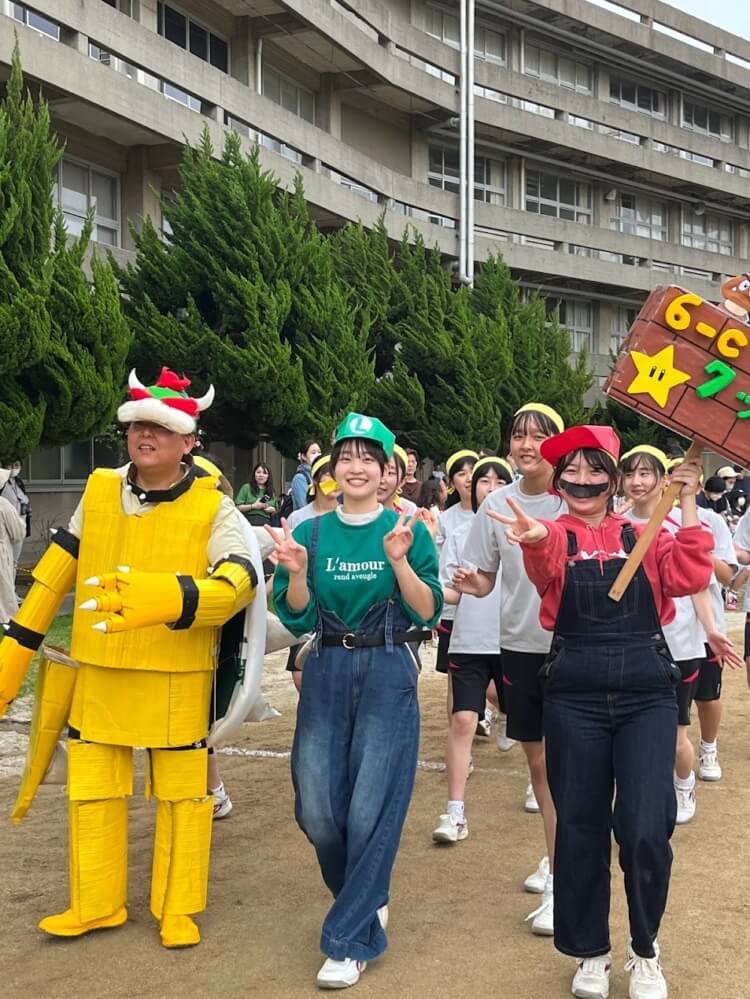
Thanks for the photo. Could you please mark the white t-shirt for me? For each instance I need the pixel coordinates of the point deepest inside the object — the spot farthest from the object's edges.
(742, 540)
(487, 548)
(448, 521)
(476, 625)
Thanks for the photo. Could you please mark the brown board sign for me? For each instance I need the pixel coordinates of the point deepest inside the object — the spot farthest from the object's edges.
(686, 364)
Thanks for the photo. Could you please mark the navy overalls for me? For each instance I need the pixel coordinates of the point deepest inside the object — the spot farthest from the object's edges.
(354, 760)
(610, 725)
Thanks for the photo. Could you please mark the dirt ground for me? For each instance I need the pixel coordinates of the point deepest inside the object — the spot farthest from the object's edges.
(457, 914)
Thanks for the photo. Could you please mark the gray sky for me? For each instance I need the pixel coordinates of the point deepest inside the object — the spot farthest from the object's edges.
(734, 15)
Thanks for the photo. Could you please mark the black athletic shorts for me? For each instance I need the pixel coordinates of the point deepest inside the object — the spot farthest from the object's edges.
(708, 687)
(291, 662)
(470, 673)
(523, 693)
(747, 634)
(690, 670)
(444, 630)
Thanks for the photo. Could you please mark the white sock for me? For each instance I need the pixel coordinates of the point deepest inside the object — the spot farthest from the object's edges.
(549, 884)
(456, 808)
(685, 783)
(707, 747)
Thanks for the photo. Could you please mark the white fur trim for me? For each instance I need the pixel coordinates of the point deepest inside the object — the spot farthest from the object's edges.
(153, 411)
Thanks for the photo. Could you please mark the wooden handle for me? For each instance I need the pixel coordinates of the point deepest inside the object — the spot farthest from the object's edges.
(650, 531)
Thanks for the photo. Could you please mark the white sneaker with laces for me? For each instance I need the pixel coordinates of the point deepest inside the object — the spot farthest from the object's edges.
(535, 882)
(450, 829)
(542, 918)
(222, 802)
(591, 980)
(340, 974)
(504, 744)
(646, 978)
(531, 804)
(709, 768)
(685, 805)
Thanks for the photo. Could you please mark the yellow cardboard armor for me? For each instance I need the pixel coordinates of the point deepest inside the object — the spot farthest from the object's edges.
(144, 679)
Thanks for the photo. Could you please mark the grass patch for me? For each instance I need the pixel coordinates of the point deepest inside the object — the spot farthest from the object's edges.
(58, 634)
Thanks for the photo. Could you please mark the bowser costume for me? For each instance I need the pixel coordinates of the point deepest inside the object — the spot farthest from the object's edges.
(156, 574)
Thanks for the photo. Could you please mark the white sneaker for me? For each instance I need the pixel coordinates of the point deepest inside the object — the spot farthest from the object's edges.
(542, 919)
(685, 805)
(646, 978)
(535, 882)
(709, 768)
(530, 804)
(484, 726)
(450, 830)
(383, 916)
(340, 974)
(503, 742)
(222, 802)
(591, 980)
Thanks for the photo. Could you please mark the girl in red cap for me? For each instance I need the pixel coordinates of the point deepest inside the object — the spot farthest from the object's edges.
(610, 711)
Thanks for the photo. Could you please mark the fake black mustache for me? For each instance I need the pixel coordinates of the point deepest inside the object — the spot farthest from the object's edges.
(581, 491)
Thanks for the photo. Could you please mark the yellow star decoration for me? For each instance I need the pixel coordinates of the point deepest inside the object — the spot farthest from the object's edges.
(657, 375)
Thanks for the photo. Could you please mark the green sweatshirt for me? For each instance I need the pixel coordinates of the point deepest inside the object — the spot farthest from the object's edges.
(352, 572)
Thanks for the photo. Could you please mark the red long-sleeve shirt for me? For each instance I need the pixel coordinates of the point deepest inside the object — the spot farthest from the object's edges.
(676, 565)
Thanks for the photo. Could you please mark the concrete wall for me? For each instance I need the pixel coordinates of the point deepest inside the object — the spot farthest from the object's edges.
(377, 138)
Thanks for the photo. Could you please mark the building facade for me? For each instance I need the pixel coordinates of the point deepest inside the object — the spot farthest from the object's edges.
(612, 144)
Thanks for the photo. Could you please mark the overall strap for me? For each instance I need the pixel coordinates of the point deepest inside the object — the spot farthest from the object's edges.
(311, 560)
(572, 543)
(627, 536)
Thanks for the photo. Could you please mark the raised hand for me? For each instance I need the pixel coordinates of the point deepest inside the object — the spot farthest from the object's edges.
(520, 529)
(470, 581)
(428, 518)
(397, 542)
(288, 552)
(688, 474)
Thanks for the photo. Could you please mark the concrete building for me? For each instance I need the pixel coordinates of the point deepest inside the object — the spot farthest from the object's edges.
(612, 139)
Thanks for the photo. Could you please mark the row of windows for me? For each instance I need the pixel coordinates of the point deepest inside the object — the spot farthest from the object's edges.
(191, 35)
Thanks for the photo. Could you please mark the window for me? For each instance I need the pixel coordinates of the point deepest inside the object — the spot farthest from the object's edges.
(637, 96)
(290, 95)
(488, 44)
(577, 317)
(182, 30)
(124, 6)
(641, 216)
(558, 197)
(36, 21)
(702, 119)
(80, 187)
(489, 174)
(707, 231)
(557, 68)
(622, 319)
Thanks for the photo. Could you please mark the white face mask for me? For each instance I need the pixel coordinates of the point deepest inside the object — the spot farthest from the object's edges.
(14, 471)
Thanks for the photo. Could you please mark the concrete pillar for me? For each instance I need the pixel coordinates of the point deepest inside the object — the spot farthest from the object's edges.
(243, 52)
(328, 106)
(603, 329)
(148, 16)
(138, 198)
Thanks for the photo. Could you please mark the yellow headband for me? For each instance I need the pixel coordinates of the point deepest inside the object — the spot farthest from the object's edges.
(655, 452)
(540, 407)
(399, 452)
(499, 461)
(324, 459)
(457, 456)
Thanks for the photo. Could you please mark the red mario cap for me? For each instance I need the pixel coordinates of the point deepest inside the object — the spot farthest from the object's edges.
(574, 438)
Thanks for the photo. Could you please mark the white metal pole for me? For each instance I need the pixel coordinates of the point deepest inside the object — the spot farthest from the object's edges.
(470, 144)
(462, 180)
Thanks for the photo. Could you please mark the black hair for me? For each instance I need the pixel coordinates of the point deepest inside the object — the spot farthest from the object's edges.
(411, 450)
(598, 461)
(453, 497)
(500, 471)
(307, 445)
(633, 461)
(323, 469)
(400, 465)
(268, 488)
(429, 494)
(522, 423)
(213, 459)
(358, 447)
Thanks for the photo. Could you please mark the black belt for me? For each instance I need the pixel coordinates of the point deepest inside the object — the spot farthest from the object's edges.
(357, 640)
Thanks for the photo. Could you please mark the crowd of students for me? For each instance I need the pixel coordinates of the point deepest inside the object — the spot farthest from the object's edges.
(511, 561)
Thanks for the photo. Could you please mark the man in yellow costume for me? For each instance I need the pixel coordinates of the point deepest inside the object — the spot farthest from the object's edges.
(159, 564)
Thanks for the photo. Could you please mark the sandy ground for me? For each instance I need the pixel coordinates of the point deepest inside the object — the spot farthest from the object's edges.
(457, 914)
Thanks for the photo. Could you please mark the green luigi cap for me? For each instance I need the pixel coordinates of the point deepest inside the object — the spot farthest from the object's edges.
(369, 427)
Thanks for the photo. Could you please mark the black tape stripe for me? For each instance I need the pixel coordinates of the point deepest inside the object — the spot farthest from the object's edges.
(245, 563)
(67, 541)
(189, 603)
(24, 636)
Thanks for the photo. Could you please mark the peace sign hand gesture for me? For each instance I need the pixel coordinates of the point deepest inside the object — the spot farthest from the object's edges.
(397, 542)
(287, 551)
(521, 529)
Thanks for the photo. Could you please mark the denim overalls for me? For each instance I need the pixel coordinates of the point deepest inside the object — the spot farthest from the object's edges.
(354, 760)
(610, 725)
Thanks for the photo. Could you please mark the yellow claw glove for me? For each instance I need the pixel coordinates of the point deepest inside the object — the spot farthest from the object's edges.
(131, 598)
(14, 663)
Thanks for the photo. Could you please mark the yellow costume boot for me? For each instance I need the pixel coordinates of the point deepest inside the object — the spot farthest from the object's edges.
(184, 818)
(99, 780)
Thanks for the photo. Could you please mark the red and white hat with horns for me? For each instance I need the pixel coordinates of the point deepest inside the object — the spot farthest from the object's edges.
(166, 403)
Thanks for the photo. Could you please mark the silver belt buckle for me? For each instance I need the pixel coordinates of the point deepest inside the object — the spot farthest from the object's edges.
(346, 639)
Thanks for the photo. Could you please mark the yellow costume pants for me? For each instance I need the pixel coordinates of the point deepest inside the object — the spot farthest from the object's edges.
(100, 779)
